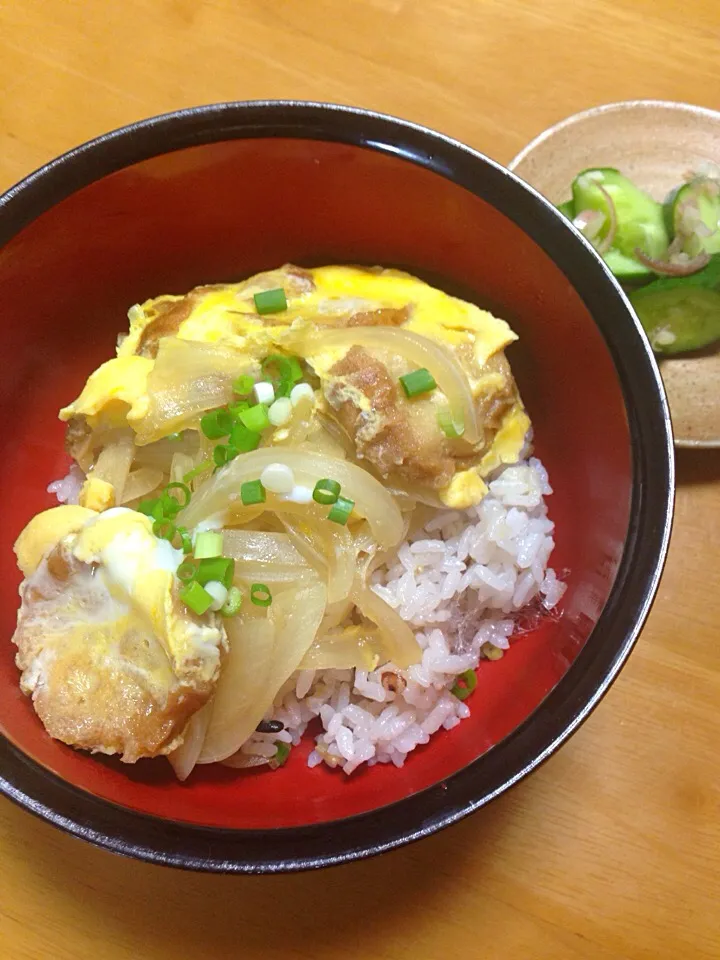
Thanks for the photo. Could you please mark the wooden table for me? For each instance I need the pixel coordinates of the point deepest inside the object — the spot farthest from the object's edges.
(612, 850)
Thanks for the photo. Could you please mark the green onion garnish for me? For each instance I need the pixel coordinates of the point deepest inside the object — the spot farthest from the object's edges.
(244, 440)
(417, 382)
(256, 418)
(237, 407)
(233, 603)
(168, 506)
(174, 436)
(196, 471)
(216, 424)
(185, 541)
(164, 529)
(209, 543)
(326, 492)
(260, 595)
(148, 507)
(183, 488)
(251, 492)
(448, 425)
(464, 685)
(186, 571)
(341, 510)
(216, 568)
(196, 597)
(270, 301)
(284, 372)
(283, 752)
(243, 385)
(224, 453)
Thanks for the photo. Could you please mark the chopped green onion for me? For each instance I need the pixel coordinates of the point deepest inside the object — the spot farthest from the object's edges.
(185, 541)
(417, 382)
(237, 407)
(186, 571)
(183, 488)
(341, 510)
(283, 752)
(260, 595)
(243, 385)
(448, 425)
(216, 424)
(270, 301)
(216, 568)
(196, 598)
(233, 603)
(169, 506)
(251, 492)
(326, 492)
(256, 418)
(244, 440)
(164, 529)
(284, 372)
(148, 506)
(224, 453)
(196, 471)
(174, 436)
(464, 685)
(209, 543)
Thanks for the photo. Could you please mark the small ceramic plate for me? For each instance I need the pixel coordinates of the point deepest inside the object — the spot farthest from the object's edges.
(656, 143)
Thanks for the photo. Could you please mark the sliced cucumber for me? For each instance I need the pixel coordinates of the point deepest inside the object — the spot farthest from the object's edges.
(640, 220)
(708, 208)
(677, 314)
(567, 209)
(626, 269)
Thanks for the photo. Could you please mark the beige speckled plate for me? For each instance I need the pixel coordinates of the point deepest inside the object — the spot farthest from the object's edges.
(655, 143)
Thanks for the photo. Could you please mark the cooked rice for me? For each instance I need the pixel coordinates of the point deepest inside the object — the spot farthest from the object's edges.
(460, 580)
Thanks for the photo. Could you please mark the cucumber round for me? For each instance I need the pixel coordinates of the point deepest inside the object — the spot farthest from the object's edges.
(678, 317)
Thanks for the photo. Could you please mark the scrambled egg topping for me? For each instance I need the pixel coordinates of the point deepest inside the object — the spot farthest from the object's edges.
(117, 393)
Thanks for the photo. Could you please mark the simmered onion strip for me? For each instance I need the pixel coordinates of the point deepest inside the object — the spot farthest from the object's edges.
(188, 379)
(264, 652)
(372, 501)
(113, 464)
(398, 639)
(328, 547)
(183, 759)
(419, 351)
(264, 557)
(139, 483)
(354, 647)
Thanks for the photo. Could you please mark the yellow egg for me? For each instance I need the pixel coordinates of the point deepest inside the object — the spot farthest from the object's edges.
(45, 530)
(466, 489)
(116, 391)
(97, 494)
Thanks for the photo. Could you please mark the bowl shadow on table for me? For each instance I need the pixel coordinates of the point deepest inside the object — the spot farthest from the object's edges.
(175, 911)
(697, 466)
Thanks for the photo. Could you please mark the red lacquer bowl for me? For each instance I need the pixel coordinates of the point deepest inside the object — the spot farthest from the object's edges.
(219, 192)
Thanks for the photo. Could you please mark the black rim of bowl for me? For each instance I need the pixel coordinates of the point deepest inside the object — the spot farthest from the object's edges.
(596, 666)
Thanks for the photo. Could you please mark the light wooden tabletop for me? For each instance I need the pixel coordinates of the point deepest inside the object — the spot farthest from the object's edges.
(611, 850)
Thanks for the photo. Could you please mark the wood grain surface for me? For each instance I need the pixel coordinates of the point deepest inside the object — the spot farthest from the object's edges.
(611, 850)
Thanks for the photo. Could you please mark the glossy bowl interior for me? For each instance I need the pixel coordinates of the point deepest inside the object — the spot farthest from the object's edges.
(213, 195)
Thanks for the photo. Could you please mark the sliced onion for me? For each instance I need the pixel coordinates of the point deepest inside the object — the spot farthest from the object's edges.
(264, 557)
(354, 647)
(677, 269)
(242, 688)
(607, 241)
(329, 548)
(590, 223)
(264, 653)
(113, 464)
(183, 759)
(300, 426)
(372, 500)
(180, 464)
(187, 379)
(398, 639)
(419, 351)
(139, 483)
(244, 761)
